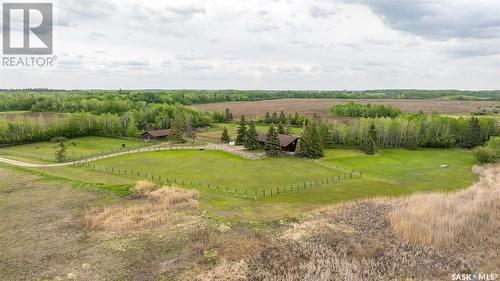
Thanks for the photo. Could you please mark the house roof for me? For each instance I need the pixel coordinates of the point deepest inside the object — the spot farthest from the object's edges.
(158, 133)
(285, 140)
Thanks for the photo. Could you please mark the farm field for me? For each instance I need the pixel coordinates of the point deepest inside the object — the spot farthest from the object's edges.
(322, 107)
(76, 147)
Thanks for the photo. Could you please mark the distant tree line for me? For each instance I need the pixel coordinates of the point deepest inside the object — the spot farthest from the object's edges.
(119, 101)
(353, 109)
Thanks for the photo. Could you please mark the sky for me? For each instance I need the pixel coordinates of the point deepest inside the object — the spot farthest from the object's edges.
(270, 44)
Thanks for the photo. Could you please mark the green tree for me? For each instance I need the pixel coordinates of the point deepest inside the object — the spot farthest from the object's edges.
(240, 133)
(282, 118)
(272, 146)
(309, 145)
(251, 140)
(326, 135)
(370, 145)
(225, 136)
(296, 119)
(281, 129)
(178, 127)
(228, 116)
(275, 118)
(473, 138)
(61, 152)
(267, 118)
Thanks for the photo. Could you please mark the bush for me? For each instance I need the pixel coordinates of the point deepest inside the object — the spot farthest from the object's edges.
(485, 154)
(494, 144)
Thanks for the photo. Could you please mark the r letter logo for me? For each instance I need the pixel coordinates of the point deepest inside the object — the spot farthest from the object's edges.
(32, 30)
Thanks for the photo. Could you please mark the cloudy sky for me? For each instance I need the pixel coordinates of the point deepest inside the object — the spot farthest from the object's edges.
(271, 44)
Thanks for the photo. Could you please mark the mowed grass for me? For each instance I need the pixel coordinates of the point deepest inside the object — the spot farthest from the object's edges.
(392, 172)
(77, 147)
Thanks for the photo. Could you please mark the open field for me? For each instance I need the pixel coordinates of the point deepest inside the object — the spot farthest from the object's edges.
(45, 233)
(77, 147)
(322, 107)
(391, 173)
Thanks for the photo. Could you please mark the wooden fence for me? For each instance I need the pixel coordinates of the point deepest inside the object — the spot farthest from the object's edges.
(237, 192)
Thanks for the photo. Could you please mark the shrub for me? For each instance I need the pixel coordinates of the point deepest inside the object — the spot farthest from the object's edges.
(485, 154)
(494, 144)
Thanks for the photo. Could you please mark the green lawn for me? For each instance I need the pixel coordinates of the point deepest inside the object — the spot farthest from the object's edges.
(390, 173)
(77, 147)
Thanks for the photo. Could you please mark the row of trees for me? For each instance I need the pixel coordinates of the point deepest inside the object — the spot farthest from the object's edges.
(353, 109)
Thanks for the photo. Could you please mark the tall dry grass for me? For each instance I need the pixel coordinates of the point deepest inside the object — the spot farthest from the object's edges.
(442, 220)
(151, 212)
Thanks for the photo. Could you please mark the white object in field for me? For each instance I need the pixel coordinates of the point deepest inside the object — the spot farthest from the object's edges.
(232, 143)
(443, 166)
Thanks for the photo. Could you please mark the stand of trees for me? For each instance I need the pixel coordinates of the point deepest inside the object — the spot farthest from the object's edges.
(353, 109)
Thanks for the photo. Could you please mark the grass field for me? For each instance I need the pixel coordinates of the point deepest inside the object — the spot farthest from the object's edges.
(390, 173)
(77, 147)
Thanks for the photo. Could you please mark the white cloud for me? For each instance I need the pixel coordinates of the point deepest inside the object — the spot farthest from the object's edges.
(279, 44)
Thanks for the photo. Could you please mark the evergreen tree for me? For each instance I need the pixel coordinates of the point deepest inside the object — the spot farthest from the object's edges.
(242, 129)
(473, 138)
(326, 135)
(309, 145)
(281, 129)
(251, 138)
(267, 118)
(370, 148)
(370, 145)
(228, 117)
(272, 147)
(282, 118)
(225, 136)
(61, 152)
(296, 119)
(275, 118)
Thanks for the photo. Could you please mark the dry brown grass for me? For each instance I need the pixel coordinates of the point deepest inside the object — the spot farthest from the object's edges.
(143, 187)
(447, 219)
(146, 213)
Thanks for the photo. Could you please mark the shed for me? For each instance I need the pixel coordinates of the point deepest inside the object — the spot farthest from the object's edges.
(156, 134)
(287, 142)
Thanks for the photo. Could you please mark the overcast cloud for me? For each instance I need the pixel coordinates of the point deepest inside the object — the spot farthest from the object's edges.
(263, 44)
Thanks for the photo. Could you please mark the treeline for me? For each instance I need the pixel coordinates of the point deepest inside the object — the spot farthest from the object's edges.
(353, 109)
(129, 124)
(415, 131)
(119, 101)
(274, 118)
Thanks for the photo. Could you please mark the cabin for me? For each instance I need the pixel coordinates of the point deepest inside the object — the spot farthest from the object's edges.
(287, 142)
(156, 134)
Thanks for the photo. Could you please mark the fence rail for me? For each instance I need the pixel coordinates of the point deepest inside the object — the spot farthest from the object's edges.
(231, 191)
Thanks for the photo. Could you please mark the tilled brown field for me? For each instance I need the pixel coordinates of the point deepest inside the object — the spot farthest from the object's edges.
(322, 106)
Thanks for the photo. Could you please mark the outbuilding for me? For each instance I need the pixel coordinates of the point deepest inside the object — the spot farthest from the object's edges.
(287, 142)
(156, 134)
